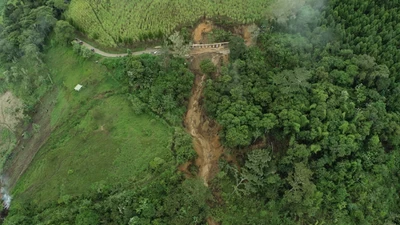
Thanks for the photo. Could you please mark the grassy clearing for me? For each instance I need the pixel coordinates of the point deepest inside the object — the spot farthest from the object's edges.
(96, 138)
(115, 21)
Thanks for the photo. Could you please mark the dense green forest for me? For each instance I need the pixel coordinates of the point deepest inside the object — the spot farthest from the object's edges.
(310, 113)
(2, 3)
(26, 25)
(321, 92)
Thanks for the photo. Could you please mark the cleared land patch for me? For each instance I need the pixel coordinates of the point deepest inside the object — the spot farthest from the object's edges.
(96, 137)
(10, 116)
(10, 110)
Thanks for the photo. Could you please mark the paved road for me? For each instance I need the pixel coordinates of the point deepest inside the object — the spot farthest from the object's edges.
(194, 51)
(105, 54)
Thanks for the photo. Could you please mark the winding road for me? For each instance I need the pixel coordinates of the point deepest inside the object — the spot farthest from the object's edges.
(193, 51)
(112, 55)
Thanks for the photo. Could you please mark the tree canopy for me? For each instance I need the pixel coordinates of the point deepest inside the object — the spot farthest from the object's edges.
(319, 94)
(309, 113)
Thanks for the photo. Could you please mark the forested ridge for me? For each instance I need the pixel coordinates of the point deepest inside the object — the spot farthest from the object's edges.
(310, 114)
(322, 95)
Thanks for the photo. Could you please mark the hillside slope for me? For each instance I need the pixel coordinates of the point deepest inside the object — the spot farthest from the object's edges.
(113, 21)
(2, 3)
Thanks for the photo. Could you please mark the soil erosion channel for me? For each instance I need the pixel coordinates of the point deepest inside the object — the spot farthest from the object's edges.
(203, 130)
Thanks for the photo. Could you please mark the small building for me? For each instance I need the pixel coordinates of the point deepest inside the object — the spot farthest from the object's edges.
(78, 87)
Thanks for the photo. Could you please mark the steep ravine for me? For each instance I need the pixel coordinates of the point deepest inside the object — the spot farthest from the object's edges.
(203, 130)
(204, 133)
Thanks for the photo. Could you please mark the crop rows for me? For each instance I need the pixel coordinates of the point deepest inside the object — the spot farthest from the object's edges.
(116, 21)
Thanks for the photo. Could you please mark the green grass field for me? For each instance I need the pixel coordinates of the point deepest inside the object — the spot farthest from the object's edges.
(96, 137)
(119, 21)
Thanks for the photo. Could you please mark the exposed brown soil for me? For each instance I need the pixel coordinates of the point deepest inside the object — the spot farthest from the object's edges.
(204, 133)
(200, 31)
(203, 130)
(210, 221)
(11, 114)
(26, 149)
(10, 111)
(232, 159)
(247, 33)
(220, 50)
(184, 168)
